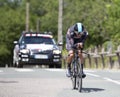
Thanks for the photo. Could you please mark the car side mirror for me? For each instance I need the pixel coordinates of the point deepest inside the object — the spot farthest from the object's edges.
(15, 42)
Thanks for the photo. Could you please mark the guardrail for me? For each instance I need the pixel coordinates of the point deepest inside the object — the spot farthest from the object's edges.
(101, 58)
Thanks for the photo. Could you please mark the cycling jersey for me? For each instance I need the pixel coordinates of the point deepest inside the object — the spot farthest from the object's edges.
(72, 38)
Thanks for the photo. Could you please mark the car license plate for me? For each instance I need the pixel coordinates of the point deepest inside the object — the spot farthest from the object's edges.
(55, 60)
(41, 57)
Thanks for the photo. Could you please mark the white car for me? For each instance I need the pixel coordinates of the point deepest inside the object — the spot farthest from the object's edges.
(36, 48)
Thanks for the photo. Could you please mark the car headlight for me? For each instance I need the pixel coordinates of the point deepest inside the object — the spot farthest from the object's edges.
(22, 46)
(25, 51)
(56, 51)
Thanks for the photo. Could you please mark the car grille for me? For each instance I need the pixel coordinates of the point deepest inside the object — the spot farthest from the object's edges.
(41, 52)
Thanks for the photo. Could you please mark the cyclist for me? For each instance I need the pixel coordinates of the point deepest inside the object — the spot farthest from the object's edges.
(75, 38)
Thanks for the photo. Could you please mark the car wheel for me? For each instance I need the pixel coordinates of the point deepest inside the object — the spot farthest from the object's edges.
(51, 66)
(58, 65)
(19, 65)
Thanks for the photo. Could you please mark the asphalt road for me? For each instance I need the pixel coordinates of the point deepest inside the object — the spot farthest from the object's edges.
(44, 82)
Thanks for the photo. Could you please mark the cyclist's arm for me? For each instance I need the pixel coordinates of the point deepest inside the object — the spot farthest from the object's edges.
(84, 36)
(69, 40)
(81, 44)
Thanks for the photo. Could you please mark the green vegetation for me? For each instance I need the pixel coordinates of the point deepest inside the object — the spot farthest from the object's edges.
(101, 18)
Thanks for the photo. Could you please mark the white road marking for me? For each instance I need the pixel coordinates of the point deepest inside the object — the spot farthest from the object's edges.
(62, 70)
(56, 70)
(94, 75)
(105, 78)
(24, 70)
(114, 81)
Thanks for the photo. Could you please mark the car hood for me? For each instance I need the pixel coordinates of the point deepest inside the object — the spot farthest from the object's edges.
(39, 46)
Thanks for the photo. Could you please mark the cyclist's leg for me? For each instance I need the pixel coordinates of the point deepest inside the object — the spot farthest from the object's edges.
(82, 65)
(70, 56)
(69, 59)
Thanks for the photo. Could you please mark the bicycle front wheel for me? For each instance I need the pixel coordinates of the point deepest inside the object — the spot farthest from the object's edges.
(73, 78)
(79, 77)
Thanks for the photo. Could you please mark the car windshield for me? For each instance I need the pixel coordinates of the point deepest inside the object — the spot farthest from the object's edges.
(38, 40)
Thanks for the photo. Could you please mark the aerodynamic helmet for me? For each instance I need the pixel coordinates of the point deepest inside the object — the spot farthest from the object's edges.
(79, 27)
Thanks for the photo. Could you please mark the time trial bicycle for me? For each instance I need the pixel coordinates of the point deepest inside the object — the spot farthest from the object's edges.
(76, 71)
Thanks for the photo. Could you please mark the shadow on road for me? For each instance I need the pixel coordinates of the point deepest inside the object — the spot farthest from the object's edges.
(8, 82)
(88, 90)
